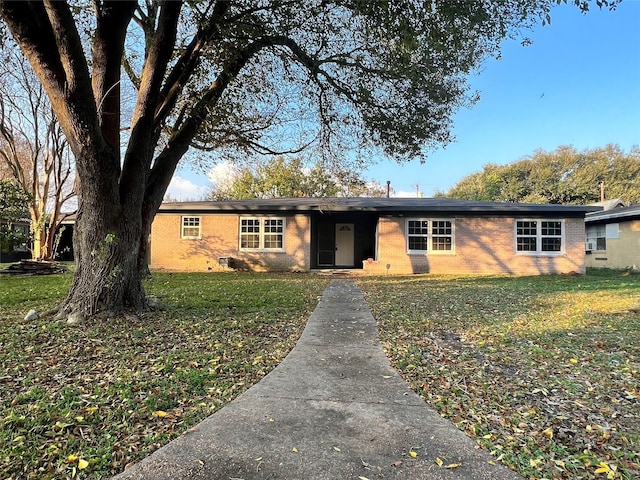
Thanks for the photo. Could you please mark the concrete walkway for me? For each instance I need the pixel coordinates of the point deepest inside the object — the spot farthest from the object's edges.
(334, 409)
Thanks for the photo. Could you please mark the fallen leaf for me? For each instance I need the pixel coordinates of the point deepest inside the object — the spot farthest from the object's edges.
(294, 450)
(82, 464)
(453, 465)
(603, 467)
(439, 461)
(159, 414)
(413, 454)
(548, 433)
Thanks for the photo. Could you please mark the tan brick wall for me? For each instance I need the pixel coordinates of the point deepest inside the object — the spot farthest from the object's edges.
(220, 238)
(482, 245)
(623, 252)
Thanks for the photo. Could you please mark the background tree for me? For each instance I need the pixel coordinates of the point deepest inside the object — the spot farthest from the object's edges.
(33, 150)
(13, 208)
(236, 76)
(564, 176)
(290, 178)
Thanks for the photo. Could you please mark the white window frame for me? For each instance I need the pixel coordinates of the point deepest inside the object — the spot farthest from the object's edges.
(596, 237)
(429, 236)
(188, 222)
(263, 236)
(538, 236)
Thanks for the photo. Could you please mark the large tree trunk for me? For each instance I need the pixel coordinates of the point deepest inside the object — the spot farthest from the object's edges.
(107, 278)
(106, 242)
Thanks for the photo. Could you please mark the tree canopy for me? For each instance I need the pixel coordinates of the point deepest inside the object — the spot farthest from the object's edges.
(283, 177)
(565, 175)
(236, 77)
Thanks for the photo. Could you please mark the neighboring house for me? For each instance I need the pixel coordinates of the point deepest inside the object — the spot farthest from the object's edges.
(613, 238)
(11, 249)
(377, 235)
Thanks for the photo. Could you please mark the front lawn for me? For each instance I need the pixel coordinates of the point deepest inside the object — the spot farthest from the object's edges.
(85, 401)
(544, 372)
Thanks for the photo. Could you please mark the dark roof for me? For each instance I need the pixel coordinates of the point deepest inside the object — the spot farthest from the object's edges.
(623, 213)
(381, 205)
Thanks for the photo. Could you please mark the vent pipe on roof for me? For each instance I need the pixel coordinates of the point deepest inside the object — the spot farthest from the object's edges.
(388, 188)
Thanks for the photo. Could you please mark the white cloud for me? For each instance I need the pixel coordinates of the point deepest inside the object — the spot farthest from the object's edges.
(182, 190)
(222, 174)
(404, 194)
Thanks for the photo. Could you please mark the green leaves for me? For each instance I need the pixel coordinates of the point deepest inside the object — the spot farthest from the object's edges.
(562, 176)
(290, 178)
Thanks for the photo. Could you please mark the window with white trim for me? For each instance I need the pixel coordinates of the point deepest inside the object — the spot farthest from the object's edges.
(262, 233)
(429, 235)
(191, 227)
(441, 235)
(540, 236)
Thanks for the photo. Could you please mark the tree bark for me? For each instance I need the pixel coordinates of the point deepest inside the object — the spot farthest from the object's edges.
(106, 242)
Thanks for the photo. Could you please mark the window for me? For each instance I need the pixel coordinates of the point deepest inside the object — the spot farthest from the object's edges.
(429, 235)
(539, 236)
(441, 235)
(250, 233)
(261, 233)
(191, 227)
(417, 234)
(597, 235)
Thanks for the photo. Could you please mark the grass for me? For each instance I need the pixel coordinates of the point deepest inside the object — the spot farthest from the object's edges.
(541, 371)
(544, 371)
(83, 402)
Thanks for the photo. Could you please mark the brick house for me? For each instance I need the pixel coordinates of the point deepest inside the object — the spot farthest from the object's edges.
(375, 235)
(613, 237)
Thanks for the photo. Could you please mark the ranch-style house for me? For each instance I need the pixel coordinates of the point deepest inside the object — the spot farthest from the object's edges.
(371, 235)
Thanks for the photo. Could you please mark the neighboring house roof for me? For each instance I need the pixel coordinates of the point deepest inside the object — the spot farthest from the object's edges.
(616, 214)
(610, 204)
(382, 205)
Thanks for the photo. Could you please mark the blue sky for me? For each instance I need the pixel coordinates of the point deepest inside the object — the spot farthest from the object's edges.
(577, 84)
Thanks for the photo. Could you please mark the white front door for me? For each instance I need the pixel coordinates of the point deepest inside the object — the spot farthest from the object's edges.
(344, 244)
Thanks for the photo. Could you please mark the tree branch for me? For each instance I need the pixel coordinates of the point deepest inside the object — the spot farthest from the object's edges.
(113, 18)
(143, 138)
(166, 162)
(187, 63)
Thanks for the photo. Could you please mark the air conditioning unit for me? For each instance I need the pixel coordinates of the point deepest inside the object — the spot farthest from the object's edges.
(590, 246)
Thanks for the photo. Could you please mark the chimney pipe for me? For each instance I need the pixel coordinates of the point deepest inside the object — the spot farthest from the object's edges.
(388, 188)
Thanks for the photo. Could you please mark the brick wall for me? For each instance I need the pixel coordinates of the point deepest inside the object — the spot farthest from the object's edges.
(482, 245)
(220, 238)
